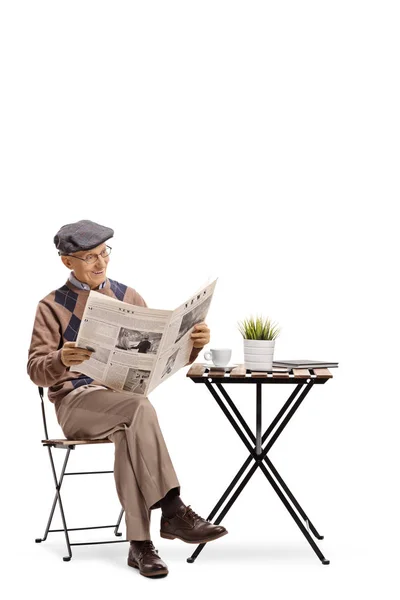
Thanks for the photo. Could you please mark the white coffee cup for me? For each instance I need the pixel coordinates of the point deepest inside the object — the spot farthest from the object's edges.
(219, 356)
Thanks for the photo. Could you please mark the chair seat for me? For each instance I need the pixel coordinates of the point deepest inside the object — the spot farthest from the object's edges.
(66, 442)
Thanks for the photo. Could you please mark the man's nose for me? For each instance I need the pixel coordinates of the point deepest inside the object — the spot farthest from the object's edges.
(100, 263)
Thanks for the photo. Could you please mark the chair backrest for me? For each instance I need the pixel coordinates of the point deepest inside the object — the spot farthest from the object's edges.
(43, 413)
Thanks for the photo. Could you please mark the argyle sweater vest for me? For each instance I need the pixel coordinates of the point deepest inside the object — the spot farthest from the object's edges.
(57, 320)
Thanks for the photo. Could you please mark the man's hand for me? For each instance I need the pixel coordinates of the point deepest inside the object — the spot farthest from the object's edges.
(71, 354)
(200, 335)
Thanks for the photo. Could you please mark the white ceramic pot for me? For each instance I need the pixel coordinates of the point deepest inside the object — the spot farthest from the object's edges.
(258, 354)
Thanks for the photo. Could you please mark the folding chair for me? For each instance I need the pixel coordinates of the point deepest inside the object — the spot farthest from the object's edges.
(69, 445)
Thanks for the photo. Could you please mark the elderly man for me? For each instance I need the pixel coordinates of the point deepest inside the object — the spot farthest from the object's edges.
(144, 475)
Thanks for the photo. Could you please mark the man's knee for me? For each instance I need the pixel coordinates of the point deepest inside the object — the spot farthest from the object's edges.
(148, 407)
(145, 408)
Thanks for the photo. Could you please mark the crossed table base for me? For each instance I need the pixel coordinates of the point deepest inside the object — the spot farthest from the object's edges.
(304, 379)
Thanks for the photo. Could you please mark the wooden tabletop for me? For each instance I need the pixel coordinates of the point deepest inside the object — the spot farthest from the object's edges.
(199, 372)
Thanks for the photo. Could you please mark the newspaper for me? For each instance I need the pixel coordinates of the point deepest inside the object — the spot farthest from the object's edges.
(137, 348)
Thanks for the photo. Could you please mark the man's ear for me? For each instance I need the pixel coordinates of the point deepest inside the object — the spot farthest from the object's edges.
(66, 262)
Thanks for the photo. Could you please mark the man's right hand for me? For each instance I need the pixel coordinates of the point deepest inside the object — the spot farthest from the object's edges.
(71, 354)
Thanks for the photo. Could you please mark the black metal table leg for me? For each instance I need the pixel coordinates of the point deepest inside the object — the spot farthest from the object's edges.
(258, 420)
(225, 510)
(306, 519)
(295, 517)
(268, 446)
(259, 455)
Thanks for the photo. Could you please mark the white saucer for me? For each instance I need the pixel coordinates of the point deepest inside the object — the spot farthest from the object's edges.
(227, 368)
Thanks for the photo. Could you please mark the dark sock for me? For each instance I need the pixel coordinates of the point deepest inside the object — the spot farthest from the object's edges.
(138, 543)
(171, 503)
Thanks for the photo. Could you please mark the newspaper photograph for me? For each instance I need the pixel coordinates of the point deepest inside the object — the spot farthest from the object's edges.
(137, 348)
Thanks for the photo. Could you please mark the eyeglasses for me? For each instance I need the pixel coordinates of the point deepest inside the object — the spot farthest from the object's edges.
(90, 259)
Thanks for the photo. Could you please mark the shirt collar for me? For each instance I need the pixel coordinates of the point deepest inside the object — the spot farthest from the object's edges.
(84, 286)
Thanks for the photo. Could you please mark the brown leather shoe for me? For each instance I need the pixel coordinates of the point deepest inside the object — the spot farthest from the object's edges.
(145, 558)
(189, 527)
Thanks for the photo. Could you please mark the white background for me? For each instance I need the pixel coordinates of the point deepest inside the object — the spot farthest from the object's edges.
(257, 142)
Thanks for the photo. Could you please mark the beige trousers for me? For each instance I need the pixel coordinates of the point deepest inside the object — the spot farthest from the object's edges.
(143, 470)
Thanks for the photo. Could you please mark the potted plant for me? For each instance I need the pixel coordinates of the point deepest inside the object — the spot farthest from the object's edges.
(259, 343)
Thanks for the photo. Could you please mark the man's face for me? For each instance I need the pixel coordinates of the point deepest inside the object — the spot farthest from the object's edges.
(93, 273)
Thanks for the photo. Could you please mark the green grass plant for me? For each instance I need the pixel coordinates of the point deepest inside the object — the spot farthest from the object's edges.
(258, 329)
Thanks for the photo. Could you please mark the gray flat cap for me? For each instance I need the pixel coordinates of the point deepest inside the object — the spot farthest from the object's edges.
(82, 235)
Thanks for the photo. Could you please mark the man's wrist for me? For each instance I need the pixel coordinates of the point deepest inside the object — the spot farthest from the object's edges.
(194, 354)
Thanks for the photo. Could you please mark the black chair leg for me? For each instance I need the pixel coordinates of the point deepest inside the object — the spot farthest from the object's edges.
(57, 498)
(116, 532)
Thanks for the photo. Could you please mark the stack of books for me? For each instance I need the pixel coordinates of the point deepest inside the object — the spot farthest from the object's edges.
(286, 365)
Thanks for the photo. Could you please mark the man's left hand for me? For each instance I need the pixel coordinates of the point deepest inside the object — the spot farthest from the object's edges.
(200, 335)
